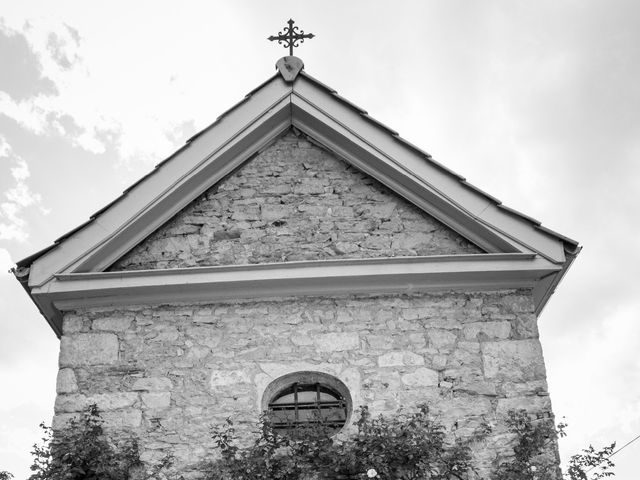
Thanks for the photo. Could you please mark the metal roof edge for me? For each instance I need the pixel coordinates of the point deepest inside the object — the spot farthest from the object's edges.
(571, 256)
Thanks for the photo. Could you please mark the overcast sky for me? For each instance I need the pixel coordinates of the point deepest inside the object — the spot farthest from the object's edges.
(537, 103)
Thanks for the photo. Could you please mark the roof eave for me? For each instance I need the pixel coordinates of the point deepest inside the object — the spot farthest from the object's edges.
(92, 246)
(544, 291)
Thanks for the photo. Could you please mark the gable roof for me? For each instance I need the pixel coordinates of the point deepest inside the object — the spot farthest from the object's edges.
(292, 100)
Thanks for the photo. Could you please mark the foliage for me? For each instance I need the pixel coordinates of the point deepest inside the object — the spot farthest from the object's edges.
(405, 446)
(82, 451)
(591, 459)
(531, 460)
(4, 475)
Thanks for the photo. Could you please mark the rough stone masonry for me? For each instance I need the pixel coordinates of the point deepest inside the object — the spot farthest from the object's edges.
(167, 373)
(294, 201)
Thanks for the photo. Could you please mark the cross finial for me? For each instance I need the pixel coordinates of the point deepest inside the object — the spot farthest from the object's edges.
(290, 37)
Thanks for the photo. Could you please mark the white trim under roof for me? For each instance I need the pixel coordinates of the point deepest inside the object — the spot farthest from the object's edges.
(332, 277)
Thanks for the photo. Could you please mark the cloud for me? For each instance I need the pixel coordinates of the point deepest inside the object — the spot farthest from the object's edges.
(63, 46)
(22, 74)
(75, 34)
(96, 107)
(17, 198)
(42, 81)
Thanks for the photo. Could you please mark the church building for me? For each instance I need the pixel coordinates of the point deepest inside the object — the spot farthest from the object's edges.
(295, 256)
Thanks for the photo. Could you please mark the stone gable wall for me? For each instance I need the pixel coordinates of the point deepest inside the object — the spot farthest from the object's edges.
(167, 373)
(294, 201)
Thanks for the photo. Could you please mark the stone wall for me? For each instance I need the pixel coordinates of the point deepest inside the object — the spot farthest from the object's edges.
(169, 372)
(294, 201)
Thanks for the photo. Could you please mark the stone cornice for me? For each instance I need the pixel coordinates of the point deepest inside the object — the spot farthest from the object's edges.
(334, 277)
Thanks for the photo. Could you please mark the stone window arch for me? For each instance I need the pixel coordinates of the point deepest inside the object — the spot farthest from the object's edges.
(305, 399)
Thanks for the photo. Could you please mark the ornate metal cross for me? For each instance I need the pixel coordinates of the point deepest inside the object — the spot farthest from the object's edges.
(290, 37)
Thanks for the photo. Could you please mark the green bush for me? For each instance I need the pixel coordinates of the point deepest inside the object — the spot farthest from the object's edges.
(402, 447)
(531, 453)
(405, 446)
(82, 451)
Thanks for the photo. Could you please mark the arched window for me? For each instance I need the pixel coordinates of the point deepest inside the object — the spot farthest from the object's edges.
(305, 399)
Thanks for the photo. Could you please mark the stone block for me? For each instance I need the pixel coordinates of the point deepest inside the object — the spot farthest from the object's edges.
(464, 360)
(66, 381)
(514, 360)
(282, 189)
(411, 241)
(343, 248)
(476, 388)
(156, 400)
(61, 420)
(205, 335)
(439, 362)
(122, 419)
(310, 187)
(400, 359)
(518, 303)
(313, 210)
(166, 334)
(339, 211)
(88, 349)
(223, 378)
(379, 342)
(486, 330)
(245, 213)
(197, 352)
(275, 370)
(441, 339)
(72, 324)
(523, 389)
(382, 210)
(418, 313)
(462, 407)
(532, 404)
(421, 377)
(270, 212)
(337, 342)
(114, 324)
(353, 380)
(104, 401)
(301, 339)
(152, 384)
(526, 326)
(205, 317)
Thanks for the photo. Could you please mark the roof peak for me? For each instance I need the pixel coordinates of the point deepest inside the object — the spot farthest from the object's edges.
(289, 67)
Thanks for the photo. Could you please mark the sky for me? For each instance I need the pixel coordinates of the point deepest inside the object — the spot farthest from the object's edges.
(537, 103)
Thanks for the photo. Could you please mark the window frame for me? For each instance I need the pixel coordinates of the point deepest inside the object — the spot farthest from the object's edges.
(280, 386)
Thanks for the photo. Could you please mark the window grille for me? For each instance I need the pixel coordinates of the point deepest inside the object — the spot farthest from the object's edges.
(306, 404)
